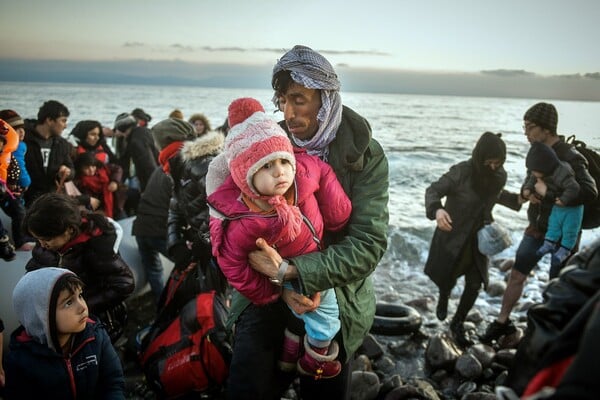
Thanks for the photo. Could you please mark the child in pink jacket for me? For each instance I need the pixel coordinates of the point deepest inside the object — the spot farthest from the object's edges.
(288, 198)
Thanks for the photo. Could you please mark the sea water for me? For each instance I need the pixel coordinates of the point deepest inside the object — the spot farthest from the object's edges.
(421, 135)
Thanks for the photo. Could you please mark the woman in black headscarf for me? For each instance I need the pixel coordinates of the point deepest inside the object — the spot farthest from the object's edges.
(471, 189)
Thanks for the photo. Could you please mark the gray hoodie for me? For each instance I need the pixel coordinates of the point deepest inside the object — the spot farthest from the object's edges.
(32, 297)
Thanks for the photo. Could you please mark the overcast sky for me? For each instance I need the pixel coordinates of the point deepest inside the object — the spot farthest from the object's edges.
(540, 36)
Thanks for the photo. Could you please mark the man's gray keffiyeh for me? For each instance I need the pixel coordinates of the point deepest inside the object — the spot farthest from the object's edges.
(311, 70)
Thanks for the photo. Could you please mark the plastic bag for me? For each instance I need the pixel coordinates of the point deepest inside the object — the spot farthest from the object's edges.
(492, 239)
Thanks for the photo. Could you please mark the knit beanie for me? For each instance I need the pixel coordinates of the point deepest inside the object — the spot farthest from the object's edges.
(141, 114)
(544, 115)
(172, 130)
(541, 158)
(12, 118)
(253, 140)
(124, 121)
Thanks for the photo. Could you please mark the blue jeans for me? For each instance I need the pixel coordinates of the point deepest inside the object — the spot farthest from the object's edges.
(322, 324)
(149, 248)
(253, 373)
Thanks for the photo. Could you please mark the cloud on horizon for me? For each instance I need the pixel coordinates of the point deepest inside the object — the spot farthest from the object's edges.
(276, 50)
(489, 83)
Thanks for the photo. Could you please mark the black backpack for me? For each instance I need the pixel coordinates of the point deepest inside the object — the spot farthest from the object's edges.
(591, 212)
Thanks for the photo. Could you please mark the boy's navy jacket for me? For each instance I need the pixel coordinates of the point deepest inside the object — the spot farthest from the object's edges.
(92, 371)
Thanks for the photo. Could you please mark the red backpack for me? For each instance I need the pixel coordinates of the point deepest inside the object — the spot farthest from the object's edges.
(193, 353)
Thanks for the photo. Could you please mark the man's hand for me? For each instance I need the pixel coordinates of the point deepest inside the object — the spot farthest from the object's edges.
(300, 303)
(265, 260)
(444, 222)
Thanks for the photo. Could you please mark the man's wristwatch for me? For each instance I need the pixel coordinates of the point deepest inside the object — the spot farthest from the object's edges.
(283, 266)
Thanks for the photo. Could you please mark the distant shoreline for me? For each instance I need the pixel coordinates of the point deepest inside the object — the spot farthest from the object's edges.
(516, 84)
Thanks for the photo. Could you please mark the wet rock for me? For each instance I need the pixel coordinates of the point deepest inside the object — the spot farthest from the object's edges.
(484, 353)
(479, 396)
(390, 384)
(365, 385)
(417, 390)
(506, 356)
(511, 341)
(466, 388)
(439, 375)
(468, 366)
(507, 264)
(501, 378)
(384, 365)
(371, 347)
(496, 288)
(441, 351)
(362, 363)
(475, 317)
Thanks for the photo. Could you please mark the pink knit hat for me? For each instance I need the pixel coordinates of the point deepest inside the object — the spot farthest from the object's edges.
(253, 140)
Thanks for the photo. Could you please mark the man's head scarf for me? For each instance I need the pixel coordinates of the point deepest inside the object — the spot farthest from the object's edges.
(311, 70)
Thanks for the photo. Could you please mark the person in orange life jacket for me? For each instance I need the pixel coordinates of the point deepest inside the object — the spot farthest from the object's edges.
(59, 351)
(82, 241)
(10, 202)
(95, 179)
(17, 181)
(48, 154)
(564, 223)
(289, 200)
(89, 136)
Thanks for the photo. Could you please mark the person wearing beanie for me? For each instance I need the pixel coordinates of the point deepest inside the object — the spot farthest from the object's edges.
(287, 198)
(540, 124)
(176, 113)
(307, 91)
(142, 118)
(564, 222)
(200, 122)
(136, 154)
(60, 351)
(471, 189)
(48, 156)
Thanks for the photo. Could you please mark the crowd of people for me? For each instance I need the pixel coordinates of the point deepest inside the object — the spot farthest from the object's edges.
(288, 220)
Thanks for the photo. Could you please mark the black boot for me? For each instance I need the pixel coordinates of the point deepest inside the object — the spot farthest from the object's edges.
(458, 333)
(441, 310)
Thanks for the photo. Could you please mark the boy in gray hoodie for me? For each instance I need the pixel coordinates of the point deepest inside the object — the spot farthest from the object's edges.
(59, 351)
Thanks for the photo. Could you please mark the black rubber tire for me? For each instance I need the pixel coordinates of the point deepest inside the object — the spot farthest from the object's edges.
(395, 320)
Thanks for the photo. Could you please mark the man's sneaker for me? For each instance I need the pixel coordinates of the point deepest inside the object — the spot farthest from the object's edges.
(496, 330)
(7, 250)
(320, 363)
(290, 353)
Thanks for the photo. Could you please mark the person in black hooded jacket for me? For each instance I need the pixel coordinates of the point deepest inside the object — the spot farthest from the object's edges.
(471, 189)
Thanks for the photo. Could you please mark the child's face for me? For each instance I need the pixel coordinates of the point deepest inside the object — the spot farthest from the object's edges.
(93, 136)
(71, 312)
(21, 132)
(274, 178)
(57, 242)
(89, 170)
